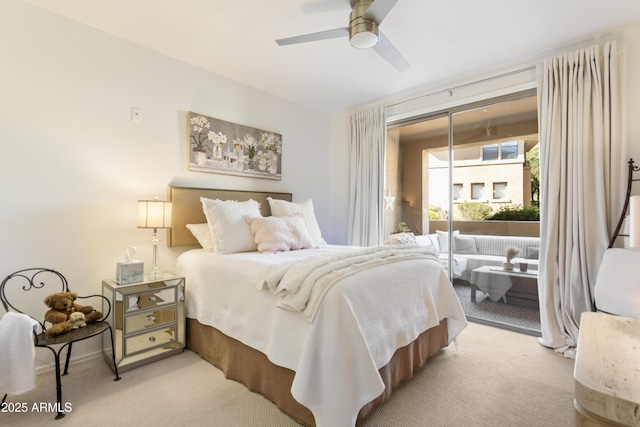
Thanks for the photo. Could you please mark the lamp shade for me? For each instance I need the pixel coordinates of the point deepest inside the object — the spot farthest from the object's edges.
(154, 214)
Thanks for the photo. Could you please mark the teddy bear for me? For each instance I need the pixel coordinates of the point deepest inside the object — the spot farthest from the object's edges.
(61, 306)
(77, 320)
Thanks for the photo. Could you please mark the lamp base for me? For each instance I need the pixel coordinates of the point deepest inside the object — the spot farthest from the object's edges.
(155, 272)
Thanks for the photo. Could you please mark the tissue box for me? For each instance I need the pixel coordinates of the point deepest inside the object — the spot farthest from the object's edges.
(128, 272)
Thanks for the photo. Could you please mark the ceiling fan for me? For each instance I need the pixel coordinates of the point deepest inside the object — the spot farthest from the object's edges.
(366, 16)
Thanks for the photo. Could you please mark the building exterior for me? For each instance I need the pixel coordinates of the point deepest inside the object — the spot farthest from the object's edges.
(493, 174)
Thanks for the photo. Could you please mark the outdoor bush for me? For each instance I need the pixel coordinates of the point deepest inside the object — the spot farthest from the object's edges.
(474, 211)
(436, 213)
(402, 228)
(515, 213)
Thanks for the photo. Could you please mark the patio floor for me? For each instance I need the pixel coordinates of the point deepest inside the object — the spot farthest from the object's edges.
(509, 316)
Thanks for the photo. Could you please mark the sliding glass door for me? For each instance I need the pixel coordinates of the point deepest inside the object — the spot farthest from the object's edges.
(451, 176)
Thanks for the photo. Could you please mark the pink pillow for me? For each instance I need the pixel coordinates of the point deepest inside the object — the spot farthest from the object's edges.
(278, 234)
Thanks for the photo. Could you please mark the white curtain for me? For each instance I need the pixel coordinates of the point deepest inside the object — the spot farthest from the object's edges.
(367, 130)
(581, 157)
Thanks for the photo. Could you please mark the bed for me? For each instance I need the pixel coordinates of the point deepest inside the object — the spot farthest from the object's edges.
(331, 362)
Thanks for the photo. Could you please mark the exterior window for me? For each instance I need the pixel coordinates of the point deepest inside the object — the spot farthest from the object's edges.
(476, 191)
(490, 152)
(509, 150)
(500, 190)
(457, 192)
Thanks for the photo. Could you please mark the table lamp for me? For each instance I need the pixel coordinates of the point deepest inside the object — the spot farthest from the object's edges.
(154, 214)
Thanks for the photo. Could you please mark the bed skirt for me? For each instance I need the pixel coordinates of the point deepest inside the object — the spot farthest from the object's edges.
(254, 370)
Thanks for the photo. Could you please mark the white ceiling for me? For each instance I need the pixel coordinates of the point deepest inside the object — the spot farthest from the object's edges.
(444, 41)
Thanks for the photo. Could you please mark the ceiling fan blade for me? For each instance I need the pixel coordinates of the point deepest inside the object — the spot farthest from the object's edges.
(391, 54)
(379, 10)
(322, 35)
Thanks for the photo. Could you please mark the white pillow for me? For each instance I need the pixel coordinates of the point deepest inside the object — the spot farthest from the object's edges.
(229, 230)
(282, 208)
(532, 252)
(202, 233)
(277, 234)
(443, 240)
(426, 241)
(465, 245)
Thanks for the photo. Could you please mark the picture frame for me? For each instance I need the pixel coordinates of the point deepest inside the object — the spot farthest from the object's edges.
(219, 146)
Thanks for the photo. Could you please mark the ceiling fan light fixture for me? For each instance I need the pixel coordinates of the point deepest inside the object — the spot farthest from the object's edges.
(364, 34)
(364, 40)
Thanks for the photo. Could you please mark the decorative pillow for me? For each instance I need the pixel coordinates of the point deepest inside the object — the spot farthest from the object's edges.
(465, 245)
(425, 240)
(229, 230)
(282, 208)
(532, 252)
(277, 234)
(401, 239)
(202, 233)
(443, 239)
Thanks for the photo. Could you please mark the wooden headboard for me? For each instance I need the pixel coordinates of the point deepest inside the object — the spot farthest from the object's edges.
(187, 209)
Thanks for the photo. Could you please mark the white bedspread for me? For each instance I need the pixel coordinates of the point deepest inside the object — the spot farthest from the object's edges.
(376, 311)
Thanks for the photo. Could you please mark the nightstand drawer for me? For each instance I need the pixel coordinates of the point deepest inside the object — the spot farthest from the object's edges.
(152, 299)
(155, 338)
(150, 319)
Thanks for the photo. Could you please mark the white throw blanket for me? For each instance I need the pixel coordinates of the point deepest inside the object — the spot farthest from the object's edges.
(302, 284)
(17, 353)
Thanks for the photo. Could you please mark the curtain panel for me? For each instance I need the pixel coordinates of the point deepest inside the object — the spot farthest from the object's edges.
(367, 130)
(581, 156)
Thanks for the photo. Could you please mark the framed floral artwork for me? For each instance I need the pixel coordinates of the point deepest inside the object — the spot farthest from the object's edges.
(219, 146)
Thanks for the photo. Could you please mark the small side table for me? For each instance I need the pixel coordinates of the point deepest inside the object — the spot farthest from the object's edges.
(148, 320)
(496, 282)
(607, 390)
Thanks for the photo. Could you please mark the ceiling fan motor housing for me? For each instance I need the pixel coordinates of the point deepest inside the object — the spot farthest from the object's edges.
(363, 32)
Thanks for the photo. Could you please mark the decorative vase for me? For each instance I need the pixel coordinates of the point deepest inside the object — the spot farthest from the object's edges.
(262, 165)
(233, 161)
(507, 266)
(251, 164)
(273, 162)
(217, 151)
(200, 157)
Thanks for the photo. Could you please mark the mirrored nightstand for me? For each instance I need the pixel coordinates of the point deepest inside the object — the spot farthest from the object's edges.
(148, 320)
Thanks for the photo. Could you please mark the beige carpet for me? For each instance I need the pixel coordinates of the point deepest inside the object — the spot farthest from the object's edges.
(497, 378)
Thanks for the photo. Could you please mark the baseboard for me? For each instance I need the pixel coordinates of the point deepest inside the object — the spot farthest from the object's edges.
(506, 326)
(50, 367)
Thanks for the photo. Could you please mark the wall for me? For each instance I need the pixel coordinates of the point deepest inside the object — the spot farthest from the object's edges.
(339, 182)
(73, 164)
